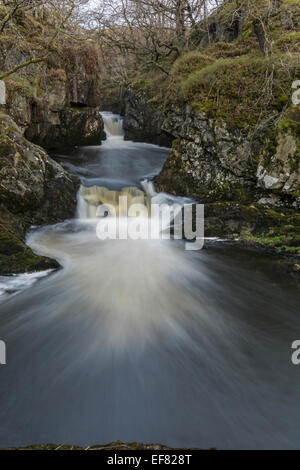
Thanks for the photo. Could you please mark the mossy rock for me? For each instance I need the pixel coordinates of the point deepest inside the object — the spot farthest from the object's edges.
(223, 50)
(25, 262)
(228, 88)
(17, 258)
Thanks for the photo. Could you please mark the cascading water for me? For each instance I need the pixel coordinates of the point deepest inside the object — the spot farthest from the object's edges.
(91, 196)
(113, 125)
(139, 340)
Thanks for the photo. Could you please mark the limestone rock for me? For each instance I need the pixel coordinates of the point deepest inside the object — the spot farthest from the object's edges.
(143, 121)
(282, 170)
(33, 190)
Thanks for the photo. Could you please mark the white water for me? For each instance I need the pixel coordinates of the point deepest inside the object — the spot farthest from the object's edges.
(113, 125)
(18, 282)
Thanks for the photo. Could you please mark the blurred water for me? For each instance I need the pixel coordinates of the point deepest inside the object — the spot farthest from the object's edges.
(143, 341)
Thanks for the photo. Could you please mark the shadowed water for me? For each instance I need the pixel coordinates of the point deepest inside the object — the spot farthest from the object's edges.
(143, 341)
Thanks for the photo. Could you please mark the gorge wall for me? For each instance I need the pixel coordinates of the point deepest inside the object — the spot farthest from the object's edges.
(54, 104)
(34, 190)
(63, 110)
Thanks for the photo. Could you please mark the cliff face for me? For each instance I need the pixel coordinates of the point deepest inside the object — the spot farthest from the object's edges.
(63, 113)
(212, 163)
(56, 103)
(248, 183)
(33, 190)
(143, 121)
(234, 122)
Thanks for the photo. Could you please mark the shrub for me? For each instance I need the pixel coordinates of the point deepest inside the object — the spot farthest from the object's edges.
(188, 63)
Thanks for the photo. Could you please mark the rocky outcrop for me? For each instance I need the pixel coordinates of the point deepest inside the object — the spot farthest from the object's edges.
(53, 120)
(55, 104)
(65, 128)
(143, 120)
(33, 190)
(211, 163)
(249, 183)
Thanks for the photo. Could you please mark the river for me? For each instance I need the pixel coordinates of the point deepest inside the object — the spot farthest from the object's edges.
(142, 341)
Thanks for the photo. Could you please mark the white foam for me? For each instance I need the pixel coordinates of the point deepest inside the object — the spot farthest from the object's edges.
(18, 282)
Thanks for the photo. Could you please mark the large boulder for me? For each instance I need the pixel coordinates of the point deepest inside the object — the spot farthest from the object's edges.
(143, 120)
(70, 126)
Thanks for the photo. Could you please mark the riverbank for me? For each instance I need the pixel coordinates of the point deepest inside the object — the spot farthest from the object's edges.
(117, 446)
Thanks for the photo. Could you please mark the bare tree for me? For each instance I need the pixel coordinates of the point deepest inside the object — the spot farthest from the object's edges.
(146, 32)
(61, 13)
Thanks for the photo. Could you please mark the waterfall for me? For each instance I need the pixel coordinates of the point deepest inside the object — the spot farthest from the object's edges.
(113, 125)
(99, 198)
(90, 198)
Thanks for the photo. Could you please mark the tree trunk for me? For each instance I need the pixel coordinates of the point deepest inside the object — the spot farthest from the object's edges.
(180, 20)
(260, 34)
(241, 22)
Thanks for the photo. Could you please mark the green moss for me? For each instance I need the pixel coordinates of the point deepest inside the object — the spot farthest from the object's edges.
(274, 216)
(250, 213)
(285, 239)
(223, 50)
(241, 195)
(285, 125)
(16, 257)
(6, 148)
(236, 91)
(188, 63)
(289, 41)
(290, 122)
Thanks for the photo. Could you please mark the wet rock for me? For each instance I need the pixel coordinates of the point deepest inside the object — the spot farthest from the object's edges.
(17, 258)
(281, 171)
(114, 446)
(143, 120)
(33, 190)
(65, 128)
(211, 163)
